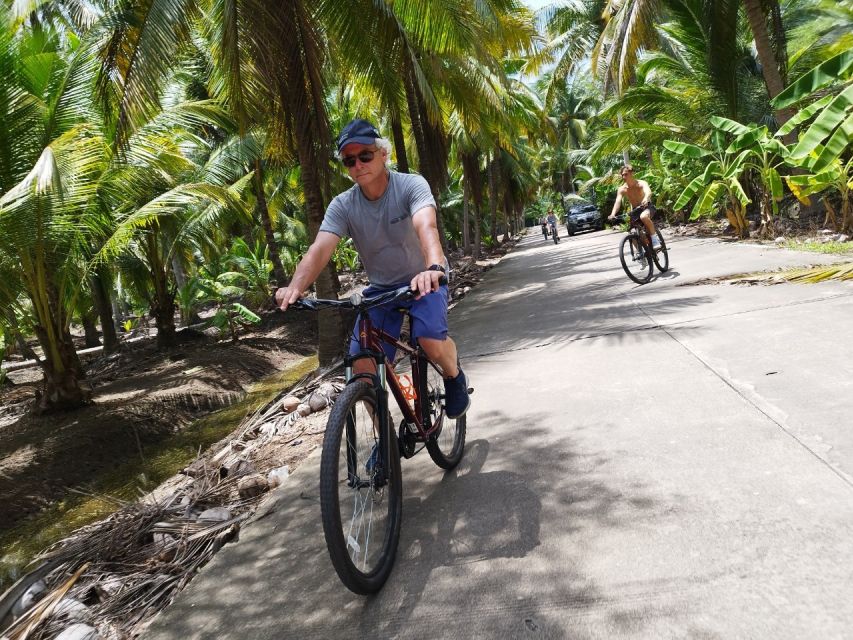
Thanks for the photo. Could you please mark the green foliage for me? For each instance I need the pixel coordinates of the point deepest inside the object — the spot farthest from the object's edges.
(829, 135)
(836, 68)
(345, 256)
(255, 266)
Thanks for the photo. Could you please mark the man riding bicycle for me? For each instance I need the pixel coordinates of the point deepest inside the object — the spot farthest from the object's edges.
(551, 220)
(639, 194)
(391, 219)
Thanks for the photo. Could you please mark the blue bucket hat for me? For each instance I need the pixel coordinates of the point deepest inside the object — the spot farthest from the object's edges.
(357, 131)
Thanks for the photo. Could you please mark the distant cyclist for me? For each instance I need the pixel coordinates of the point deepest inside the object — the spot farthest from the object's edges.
(551, 219)
(639, 194)
(545, 228)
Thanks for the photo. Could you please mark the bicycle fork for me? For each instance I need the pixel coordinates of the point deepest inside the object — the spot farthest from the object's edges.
(378, 474)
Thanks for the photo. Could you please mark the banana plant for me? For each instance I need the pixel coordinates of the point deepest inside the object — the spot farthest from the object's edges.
(830, 133)
(718, 181)
(838, 176)
(766, 155)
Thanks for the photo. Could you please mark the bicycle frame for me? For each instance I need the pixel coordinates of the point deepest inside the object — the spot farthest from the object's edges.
(370, 340)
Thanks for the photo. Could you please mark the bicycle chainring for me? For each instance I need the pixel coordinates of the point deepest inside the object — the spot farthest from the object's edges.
(407, 439)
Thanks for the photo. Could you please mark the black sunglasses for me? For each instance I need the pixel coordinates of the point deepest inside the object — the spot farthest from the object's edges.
(363, 156)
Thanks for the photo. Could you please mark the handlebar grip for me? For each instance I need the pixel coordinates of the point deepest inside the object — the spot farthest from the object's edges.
(304, 304)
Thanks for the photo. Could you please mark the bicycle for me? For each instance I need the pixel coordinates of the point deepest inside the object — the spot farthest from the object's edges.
(360, 471)
(554, 233)
(636, 253)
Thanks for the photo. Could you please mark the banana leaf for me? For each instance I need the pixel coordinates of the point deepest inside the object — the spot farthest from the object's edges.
(834, 114)
(837, 67)
(707, 199)
(730, 126)
(775, 184)
(746, 139)
(802, 115)
(836, 145)
(689, 191)
(736, 167)
(685, 149)
(246, 315)
(737, 189)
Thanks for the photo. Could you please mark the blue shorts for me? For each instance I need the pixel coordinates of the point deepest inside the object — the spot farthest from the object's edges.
(428, 317)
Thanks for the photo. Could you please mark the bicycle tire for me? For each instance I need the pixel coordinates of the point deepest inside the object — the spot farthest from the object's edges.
(636, 258)
(661, 254)
(344, 493)
(447, 446)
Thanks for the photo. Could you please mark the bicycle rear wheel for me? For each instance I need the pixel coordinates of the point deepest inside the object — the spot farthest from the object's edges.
(361, 514)
(661, 254)
(446, 445)
(635, 260)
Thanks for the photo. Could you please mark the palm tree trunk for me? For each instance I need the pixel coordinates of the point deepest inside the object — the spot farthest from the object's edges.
(103, 306)
(399, 144)
(769, 69)
(626, 159)
(466, 231)
(163, 302)
(329, 323)
(477, 232)
(90, 329)
(266, 222)
(493, 196)
(63, 386)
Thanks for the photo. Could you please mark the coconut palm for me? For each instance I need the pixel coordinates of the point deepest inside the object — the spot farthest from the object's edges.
(50, 160)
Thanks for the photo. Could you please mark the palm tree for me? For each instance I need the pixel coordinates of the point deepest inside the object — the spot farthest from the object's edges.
(50, 161)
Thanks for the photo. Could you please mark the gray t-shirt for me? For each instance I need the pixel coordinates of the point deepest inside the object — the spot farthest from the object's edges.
(382, 230)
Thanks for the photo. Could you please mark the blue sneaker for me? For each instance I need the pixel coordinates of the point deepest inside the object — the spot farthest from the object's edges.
(456, 396)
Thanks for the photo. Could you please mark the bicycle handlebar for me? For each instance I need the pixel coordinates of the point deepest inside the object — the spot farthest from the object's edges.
(358, 302)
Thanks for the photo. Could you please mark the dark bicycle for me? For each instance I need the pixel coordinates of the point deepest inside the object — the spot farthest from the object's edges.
(361, 495)
(636, 253)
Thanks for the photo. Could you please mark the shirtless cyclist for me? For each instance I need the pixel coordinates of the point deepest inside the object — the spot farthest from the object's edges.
(639, 194)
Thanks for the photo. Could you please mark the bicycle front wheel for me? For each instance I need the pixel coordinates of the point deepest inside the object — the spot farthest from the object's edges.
(447, 444)
(635, 260)
(661, 254)
(361, 497)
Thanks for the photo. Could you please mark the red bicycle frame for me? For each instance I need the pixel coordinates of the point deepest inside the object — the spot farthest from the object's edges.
(370, 340)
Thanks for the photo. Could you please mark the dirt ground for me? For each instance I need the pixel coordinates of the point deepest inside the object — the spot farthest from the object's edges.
(141, 396)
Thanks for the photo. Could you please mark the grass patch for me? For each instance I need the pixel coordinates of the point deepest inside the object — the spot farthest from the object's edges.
(820, 247)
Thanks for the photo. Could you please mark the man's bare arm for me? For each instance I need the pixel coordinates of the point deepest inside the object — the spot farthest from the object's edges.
(312, 263)
(617, 206)
(427, 230)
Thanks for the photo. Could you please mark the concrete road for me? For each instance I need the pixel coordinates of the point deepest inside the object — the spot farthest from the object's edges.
(658, 461)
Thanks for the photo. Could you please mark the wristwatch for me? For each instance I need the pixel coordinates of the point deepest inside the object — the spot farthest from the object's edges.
(437, 267)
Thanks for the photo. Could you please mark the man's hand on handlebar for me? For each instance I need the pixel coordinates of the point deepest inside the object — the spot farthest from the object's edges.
(286, 296)
(426, 282)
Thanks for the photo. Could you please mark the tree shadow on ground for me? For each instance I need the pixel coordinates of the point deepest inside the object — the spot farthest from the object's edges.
(472, 552)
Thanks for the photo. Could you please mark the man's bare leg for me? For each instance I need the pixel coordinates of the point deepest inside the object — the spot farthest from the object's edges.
(647, 220)
(443, 353)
